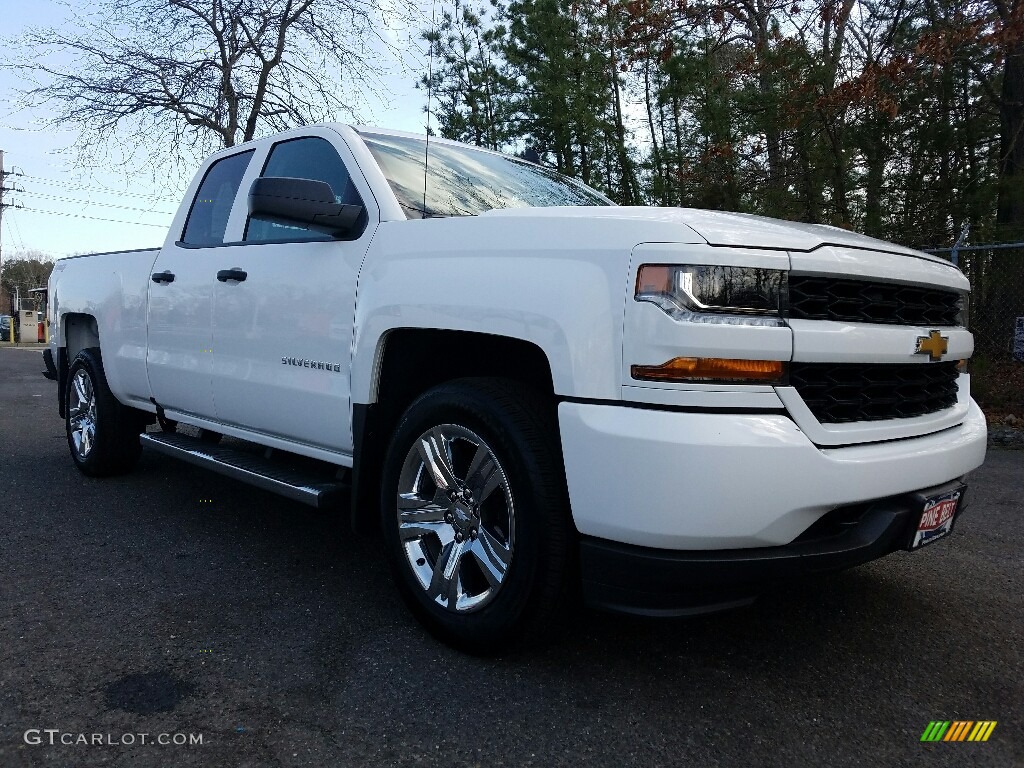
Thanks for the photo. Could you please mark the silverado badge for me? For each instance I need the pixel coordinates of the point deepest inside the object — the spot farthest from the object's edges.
(321, 365)
(935, 345)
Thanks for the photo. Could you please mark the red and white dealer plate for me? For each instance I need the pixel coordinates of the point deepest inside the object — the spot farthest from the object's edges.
(936, 518)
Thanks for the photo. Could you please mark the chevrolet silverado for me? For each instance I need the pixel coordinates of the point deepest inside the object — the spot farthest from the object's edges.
(528, 390)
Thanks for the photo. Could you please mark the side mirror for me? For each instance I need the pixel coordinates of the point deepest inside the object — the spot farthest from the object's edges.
(302, 202)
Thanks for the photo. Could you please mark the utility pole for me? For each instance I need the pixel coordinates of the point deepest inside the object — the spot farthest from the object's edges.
(3, 177)
(3, 206)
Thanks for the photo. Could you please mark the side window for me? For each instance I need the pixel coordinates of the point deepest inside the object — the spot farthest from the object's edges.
(210, 210)
(307, 158)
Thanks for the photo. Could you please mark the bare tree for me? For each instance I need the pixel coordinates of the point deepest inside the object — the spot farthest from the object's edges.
(27, 269)
(192, 75)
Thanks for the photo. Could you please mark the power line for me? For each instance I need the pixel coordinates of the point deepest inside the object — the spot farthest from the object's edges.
(91, 187)
(17, 230)
(93, 202)
(94, 218)
(105, 190)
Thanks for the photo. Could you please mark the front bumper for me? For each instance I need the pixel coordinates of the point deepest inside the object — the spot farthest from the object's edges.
(706, 481)
(681, 509)
(653, 582)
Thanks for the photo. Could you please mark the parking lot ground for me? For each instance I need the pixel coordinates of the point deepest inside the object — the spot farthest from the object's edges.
(173, 601)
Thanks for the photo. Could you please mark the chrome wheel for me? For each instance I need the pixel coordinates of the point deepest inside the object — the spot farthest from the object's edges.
(82, 414)
(456, 518)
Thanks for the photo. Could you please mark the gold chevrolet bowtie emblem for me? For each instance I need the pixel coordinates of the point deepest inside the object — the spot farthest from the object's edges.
(935, 345)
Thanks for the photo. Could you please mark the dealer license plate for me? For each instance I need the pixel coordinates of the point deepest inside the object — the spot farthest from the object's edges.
(937, 518)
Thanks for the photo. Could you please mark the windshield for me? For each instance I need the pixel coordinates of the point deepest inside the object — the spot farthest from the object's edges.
(462, 181)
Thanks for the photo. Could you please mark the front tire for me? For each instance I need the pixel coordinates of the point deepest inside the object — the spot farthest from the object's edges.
(103, 434)
(475, 514)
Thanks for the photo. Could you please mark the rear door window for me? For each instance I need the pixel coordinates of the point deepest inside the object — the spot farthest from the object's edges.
(211, 208)
(306, 158)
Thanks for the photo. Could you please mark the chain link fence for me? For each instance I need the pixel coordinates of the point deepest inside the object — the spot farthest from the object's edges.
(996, 273)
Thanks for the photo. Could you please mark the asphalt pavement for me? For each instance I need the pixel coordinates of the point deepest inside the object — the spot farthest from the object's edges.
(172, 604)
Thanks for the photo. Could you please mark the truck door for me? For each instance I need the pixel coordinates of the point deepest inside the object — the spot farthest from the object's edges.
(179, 355)
(283, 317)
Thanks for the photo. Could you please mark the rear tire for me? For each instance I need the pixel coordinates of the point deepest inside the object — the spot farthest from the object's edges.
(103, 434)
(475, 514)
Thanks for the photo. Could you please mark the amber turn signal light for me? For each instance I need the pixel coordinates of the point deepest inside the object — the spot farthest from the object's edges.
(712, 369)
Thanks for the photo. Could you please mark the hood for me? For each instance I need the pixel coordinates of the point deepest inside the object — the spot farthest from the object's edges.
(733, 229)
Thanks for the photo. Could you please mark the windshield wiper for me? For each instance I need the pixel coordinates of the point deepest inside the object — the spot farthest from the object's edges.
(424, 214)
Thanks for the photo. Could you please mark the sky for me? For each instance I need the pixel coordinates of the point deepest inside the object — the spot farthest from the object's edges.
(67, 210)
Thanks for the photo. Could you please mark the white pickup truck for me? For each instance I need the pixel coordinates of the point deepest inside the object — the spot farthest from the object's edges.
(526, 388)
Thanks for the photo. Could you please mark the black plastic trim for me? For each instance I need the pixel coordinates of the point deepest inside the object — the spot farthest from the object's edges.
(62, 378)
(838, 393)
(107, 253)
(674, 408)
(366, 470)
(51, 369)
(235, 274)
(236, 243)
(851, 299)
(646, 581)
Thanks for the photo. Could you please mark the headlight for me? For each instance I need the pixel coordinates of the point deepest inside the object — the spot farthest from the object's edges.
(710, 294)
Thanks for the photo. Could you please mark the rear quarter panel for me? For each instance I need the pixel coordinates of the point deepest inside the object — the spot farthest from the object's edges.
(112, 288)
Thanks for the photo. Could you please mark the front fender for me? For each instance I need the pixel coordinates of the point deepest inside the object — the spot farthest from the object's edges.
(566, 301)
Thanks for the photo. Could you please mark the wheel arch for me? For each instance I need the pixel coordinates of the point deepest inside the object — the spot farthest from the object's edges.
(78, 331)
(408, 362)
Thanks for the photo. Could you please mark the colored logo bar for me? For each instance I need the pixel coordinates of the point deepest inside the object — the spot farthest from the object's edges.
(958, 730)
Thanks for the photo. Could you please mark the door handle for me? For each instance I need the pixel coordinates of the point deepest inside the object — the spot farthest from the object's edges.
(163, 277)
(234, 273)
